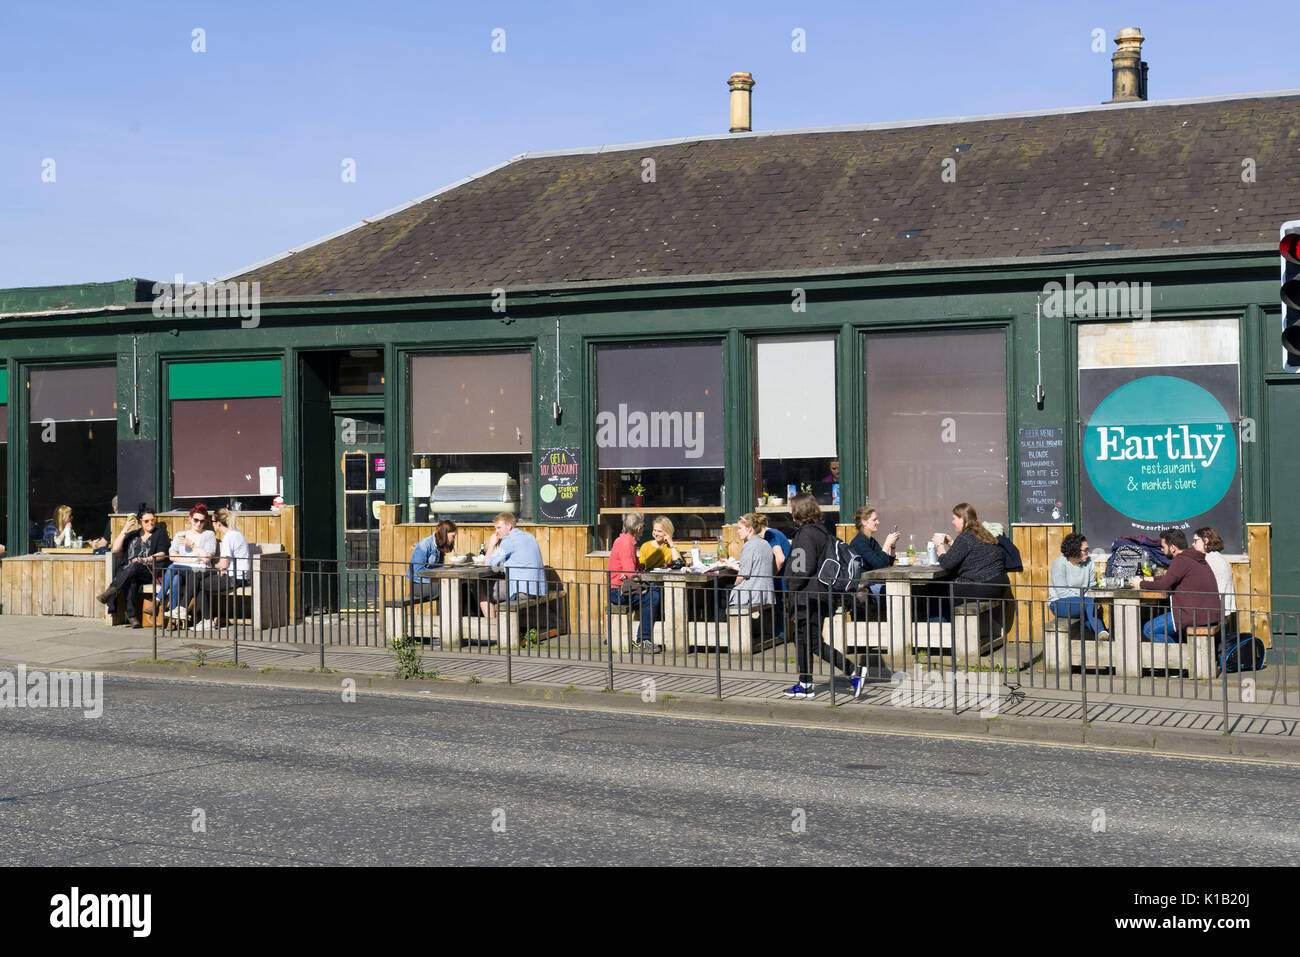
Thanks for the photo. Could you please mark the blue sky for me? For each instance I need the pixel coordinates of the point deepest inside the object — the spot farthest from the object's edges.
(167, 160)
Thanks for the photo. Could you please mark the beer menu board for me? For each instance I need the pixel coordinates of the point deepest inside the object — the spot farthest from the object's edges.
(558, 490)
(1042, 475)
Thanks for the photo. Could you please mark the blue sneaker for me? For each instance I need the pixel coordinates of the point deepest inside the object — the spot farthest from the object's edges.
(859, 681)
(800, 690)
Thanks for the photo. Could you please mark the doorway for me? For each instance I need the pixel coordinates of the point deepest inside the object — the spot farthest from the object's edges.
(359, 451)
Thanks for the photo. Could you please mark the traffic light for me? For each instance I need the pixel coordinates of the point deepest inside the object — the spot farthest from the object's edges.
(1289, 247)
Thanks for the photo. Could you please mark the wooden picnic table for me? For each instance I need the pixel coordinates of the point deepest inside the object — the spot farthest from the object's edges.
(453, 581)
(678, 585)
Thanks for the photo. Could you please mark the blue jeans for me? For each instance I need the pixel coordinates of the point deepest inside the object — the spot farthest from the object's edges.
(174, 586)
(1161, 628)
(1086, 609)
(651, 601)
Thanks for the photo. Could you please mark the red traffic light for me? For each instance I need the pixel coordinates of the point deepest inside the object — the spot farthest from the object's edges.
(1289, 247)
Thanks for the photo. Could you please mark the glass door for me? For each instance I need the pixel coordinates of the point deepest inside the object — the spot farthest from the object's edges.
(360, 451)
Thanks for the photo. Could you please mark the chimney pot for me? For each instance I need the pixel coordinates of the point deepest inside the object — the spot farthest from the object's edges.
(1128, 70)
(741, 119)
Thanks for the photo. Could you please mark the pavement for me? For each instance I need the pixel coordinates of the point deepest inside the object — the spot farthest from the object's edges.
(1147, 715)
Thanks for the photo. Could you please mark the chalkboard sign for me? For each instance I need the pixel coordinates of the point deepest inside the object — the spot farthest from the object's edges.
(558, 488)
(1042, 475)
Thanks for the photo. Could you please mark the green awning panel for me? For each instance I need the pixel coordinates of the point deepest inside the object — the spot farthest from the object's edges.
(237, 379)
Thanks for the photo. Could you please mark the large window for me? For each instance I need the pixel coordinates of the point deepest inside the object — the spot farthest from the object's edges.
(4, 457)
(471, 434)
(936, 428)
(72, 447)
(225, 432)
(1159, 405)
(795, 408)
(659, 429)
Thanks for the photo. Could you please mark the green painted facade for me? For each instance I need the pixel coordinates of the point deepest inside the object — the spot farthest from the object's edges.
(1188, 284)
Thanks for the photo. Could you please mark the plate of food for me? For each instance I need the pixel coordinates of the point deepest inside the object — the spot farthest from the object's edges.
(457, 559)
(775, 500)
(479, 559)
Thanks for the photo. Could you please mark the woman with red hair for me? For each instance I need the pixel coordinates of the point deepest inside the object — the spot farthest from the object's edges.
(190, 550)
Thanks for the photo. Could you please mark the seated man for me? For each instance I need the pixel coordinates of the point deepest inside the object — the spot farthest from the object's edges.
(1195, 594)
(231, 571)
(144, 544)
(1069, 579)
(522, 557)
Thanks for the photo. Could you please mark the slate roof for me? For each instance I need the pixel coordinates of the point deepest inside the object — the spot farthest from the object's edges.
(1152, 176)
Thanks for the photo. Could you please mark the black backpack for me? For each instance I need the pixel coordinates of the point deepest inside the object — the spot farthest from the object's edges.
(840, 570)
(1242, 653)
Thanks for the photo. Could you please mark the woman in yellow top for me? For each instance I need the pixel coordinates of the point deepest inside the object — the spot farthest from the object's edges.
(661, 551)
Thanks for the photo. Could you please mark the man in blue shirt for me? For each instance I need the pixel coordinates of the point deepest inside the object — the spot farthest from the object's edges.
(780, 552)
(519, 553)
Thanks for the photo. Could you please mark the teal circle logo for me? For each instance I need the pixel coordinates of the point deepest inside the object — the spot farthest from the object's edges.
(1160, 449)
(547, 492)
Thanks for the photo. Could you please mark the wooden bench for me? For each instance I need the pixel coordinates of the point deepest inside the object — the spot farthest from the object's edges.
(1192, 655)
(410, 617)
(547, 614)
(625, 627)
(266, 594)
(853, 631)
(747, 627)
(1067, 645)
(978, 628)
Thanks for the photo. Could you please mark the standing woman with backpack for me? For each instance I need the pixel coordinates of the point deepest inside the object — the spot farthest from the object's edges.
(810, 600)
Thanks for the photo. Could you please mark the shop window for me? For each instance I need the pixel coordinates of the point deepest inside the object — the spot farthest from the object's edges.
(936, 428)
(471, 435)
(1159, 408)
(226, 442)
(795, 446)
(72, 447)
(659, 435)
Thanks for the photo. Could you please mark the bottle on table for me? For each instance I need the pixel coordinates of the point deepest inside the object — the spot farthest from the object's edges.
(911, 550)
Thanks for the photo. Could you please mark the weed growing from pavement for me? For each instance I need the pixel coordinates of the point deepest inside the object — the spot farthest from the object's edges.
(570, 687)
(407, 653)
(200, 657)
(268, 668)
(474, 680)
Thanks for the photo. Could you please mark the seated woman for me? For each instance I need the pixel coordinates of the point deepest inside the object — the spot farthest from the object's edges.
(974, 562)
(623, 564)
(58, 530)
(1207, 541)
(430, 552)
(661, 551)
(755, 567)
(1069, 578)
(873, 554)
(190, 550)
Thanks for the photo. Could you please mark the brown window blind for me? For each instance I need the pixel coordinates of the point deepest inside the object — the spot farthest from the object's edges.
(4, 424)
(218, 445)
(74, 394)
(936, 428)
(476, 403)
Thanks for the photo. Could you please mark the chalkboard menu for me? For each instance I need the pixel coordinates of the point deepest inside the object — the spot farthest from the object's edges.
(1042, 475)
(558, 489)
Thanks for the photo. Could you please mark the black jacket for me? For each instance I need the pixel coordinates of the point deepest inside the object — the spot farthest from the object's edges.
(158, 541)
(870, 551)
(808, 550)
(970, 561)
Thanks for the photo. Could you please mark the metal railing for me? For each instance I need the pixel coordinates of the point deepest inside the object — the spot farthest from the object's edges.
(696, 626)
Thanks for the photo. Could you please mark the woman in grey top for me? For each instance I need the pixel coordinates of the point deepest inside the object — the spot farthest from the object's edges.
(755, 567)
(1070, 576)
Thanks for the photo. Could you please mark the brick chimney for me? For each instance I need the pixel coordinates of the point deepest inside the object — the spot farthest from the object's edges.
(741, 119)
(1128, 70)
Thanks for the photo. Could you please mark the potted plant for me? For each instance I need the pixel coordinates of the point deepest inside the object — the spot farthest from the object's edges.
(638, 494)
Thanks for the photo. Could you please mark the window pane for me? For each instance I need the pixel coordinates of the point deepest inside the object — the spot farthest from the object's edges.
(795, 394)
(659, 407)
(219, 445)
(936, 428)
(472, 403)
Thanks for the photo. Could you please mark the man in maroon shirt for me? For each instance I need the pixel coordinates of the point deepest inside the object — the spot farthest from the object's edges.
(1195, 597)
